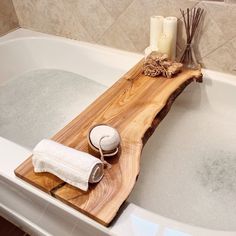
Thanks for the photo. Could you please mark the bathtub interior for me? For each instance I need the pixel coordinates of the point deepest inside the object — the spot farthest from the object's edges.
(37, 104)
(188, 167)
(47, 81)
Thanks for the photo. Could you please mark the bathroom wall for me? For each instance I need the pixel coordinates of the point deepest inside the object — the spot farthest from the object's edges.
(8, 18)
(124, 24)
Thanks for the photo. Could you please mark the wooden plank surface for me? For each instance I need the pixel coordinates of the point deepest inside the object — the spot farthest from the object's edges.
(134, 105)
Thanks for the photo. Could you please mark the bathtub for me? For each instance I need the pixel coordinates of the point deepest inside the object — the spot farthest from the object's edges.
(181, 191)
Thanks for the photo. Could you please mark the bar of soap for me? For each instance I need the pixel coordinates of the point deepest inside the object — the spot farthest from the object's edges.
(106, 136)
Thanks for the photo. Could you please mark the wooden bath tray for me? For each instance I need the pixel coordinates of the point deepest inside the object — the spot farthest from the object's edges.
(134, 105)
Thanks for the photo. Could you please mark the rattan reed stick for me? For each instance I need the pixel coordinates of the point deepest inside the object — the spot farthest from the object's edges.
(191, 20)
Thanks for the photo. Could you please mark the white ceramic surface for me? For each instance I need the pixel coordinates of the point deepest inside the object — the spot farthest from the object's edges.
(35, 211)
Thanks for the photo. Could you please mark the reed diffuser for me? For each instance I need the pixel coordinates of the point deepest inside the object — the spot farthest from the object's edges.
(191, 21)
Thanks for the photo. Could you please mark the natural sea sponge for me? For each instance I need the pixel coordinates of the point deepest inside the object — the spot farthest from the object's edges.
(157, 64)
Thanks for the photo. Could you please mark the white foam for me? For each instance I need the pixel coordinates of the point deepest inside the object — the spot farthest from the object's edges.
(39, 103)
(188, 169)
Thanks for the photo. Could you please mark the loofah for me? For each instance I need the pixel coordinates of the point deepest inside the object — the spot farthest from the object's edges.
(157, 64)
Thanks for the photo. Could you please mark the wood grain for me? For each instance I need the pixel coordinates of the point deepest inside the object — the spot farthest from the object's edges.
(134, 105)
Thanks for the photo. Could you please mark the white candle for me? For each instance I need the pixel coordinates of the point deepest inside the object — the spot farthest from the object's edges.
(156, 27)
(170, 30)
(165, 44)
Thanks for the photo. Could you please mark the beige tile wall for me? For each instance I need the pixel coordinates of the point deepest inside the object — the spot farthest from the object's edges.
(8, 19)
(124, 24)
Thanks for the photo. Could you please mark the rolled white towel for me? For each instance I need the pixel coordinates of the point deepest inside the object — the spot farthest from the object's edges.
(74, 167)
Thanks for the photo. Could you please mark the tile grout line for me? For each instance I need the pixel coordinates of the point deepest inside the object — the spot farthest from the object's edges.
(221, 45)
(80, 25)
(115, 21)
(17, 16)
(123, 33)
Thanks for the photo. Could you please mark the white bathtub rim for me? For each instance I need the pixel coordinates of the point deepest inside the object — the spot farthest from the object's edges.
(219, 76)
(26, 53)
(52, 200)
(119, 226)
(22, 34)
(21, 222)
(130, 211)
(165, 223)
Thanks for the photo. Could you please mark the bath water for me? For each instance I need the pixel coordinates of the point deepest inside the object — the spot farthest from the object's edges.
(188, 168)
(38, 104)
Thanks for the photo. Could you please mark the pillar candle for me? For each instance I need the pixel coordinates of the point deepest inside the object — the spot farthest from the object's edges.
(170, 30)
(156, 27)
(165, 44)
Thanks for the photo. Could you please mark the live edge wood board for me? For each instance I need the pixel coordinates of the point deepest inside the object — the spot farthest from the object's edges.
(134, 105)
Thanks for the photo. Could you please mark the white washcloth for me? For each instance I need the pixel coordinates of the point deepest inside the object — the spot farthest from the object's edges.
(74, 167)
